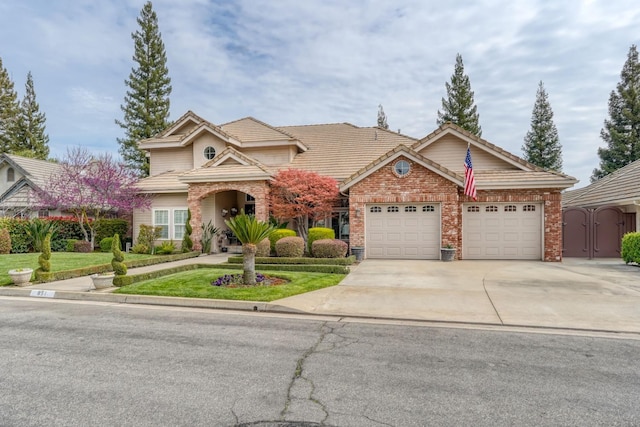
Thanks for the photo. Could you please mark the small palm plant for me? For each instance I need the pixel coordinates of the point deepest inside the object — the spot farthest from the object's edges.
(249, 232)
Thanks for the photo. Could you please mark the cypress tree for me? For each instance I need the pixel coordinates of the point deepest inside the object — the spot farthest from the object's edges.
(541, 144)
(459, 106)
(9, 111)
(382, 118)
(621, 131)
(146, 103)
(32, 139)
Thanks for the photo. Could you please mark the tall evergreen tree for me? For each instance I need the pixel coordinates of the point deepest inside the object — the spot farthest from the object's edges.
(621, 131)
(459, 107)
(541, 144)
(32, 140)
(146, 104)
(382, 118)
(9, 111)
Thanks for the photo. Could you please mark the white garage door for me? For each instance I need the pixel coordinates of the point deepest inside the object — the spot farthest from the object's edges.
(502, 231)
(402, 231)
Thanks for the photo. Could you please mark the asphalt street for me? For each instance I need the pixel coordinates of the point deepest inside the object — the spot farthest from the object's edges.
(68, 363)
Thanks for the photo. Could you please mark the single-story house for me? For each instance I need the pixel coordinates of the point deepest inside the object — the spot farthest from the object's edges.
(597, 216)
(402, 197)
(20, 178)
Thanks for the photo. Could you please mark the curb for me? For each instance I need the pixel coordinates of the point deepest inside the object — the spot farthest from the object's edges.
(216, 304)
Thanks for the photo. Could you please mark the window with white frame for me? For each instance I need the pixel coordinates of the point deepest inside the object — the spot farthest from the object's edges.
(161, 219)
(179, 223)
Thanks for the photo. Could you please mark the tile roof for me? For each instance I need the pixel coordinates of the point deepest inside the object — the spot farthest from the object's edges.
(166, 182)
(339, 149)
(619, 187)
(249, 129)
(36, 171)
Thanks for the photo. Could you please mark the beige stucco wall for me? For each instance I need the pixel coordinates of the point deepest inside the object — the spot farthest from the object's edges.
(170, 159)
(450, 151)
(4, 184)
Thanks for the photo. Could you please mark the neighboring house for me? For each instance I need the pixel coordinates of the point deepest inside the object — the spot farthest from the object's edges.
(20, 177)
(402, 197)
(597, 216)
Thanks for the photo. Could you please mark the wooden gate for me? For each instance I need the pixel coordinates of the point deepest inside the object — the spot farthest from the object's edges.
(595, 233)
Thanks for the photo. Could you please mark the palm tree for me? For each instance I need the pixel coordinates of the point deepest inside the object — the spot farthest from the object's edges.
(249, 232)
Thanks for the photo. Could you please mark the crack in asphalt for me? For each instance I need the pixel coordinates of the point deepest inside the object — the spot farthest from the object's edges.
(299, 380)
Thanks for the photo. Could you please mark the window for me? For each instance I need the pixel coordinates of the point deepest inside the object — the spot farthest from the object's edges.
(209, 153)
(510, 208)
(161, 219)
(43, 213)
(393, 209)
(473, 208)
(410, 209)
(179, 223)
(249, 198)
(491, 209)
(428, 208)
(529, 208)
(11, 175)
(402, 168)
(375, 209)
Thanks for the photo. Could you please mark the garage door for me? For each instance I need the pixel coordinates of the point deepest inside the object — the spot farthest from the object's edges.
(502, 231)
(403, 231)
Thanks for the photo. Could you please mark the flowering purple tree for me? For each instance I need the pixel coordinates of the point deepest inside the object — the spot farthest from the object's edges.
(91, 187)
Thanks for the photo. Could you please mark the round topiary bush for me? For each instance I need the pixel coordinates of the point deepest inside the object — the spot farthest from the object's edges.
(105, 244)
(318, 233)
(263, 249)
(292, 246)
(279, 234)
(329, 248)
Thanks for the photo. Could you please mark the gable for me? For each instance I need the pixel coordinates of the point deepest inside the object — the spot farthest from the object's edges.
(450, 151)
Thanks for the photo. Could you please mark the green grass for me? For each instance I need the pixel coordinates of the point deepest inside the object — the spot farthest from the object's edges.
(197, 284)
(60, 261)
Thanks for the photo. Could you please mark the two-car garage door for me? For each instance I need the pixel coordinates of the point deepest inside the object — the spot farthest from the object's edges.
(403, 231)
(502, 231)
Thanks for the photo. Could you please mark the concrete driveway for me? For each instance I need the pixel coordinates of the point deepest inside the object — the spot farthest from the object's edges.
(599, 295)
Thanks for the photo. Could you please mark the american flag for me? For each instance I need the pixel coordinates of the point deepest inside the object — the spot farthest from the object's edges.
(469, 180)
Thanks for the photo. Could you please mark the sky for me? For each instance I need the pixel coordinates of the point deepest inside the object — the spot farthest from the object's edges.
(291, 62)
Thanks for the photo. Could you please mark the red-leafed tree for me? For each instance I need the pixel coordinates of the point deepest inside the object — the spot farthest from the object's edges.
(92, 187)
(303, 196)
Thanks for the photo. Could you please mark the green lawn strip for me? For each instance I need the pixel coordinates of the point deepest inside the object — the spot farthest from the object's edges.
(197, 284)
(67, 262)
(300, 260)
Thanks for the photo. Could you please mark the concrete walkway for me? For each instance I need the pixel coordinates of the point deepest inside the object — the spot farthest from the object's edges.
(594, 295)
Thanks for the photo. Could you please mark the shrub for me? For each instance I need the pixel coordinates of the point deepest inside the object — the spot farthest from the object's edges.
(147, 236)
(71, 245)
(140, 248)
(107, 227)
(18, 233)
(5, 241)
(59, 245)
(38, 230)
(329, 248)
(82, 246)
(166, 248)
(105, 244)
(118, 257)
(279, 234)
(68, 228)
(292, 246)
(45, 256)
(263, 249)
(631, 248)
(317, 233)
(187, 243)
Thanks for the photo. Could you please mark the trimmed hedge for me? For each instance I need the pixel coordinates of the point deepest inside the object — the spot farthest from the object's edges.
(103, 268)
(329, 248)
(263, 248)
(296, 261)
(20, 240)
(135, 278)
(82, 246)
(290, 247)
(319, 233)
(5, 241)
(631, 248)
(105, 244)
(279, 234)
(108, 227)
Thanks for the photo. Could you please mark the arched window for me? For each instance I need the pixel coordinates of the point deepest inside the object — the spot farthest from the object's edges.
(11, 175)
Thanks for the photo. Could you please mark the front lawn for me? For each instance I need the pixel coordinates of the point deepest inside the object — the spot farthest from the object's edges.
(197, 284)
(60, 261)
